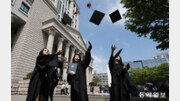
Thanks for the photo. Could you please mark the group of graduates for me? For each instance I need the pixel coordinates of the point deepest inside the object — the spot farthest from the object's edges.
(43, 80)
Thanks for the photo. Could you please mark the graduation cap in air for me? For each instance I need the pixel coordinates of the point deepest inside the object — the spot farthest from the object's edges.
(89, 5)
(115, 16)
(66, 19)
(97, 17)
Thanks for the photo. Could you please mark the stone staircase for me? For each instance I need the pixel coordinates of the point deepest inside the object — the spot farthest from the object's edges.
(21, 88)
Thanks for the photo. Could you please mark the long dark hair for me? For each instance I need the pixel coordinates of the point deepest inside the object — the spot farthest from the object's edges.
(74, 57)
(120, 61)
(41, 52)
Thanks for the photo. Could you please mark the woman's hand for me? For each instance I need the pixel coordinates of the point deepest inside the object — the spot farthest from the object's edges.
(124, 67)
(90, 46)
(72, 73)
(113, 47)
(59, 52)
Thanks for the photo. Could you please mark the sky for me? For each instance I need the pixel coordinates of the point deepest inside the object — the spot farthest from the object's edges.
(107, 34)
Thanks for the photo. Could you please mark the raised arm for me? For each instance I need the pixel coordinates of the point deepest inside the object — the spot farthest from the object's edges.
(51, 60)
(111, 60)
(55, 61)
(87, 57)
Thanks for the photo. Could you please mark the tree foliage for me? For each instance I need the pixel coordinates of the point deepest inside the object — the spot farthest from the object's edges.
(147, 74)
(28, 76)
(149, 17)
(94, 82)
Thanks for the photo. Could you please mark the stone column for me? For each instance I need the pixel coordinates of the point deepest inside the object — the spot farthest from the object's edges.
(50, 41)
(67, 48)
(60, 47)
(67, 57)
(72, 53)
(60, 43)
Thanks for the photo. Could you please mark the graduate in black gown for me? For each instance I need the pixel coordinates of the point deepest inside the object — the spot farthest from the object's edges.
(78, 80)
(39, 83)
(121, 84)
(54, 78)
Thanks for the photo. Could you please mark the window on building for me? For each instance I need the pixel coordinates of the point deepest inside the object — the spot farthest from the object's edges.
(72, 23)
(58, 16)
(62, 10)
(68, 5)
(60, 6)
(24, 8)
(66, 2)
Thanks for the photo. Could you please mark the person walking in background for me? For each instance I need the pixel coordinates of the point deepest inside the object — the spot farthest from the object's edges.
(63, 89)
(100, 88)
(67, 87)
(92, 89)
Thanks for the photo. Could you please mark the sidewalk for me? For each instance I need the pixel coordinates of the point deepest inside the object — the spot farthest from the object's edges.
(61, 98)
(94, 97)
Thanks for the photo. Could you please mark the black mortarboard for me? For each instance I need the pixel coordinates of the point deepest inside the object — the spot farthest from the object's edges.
(115, 16)
(66, 19)
(97, 17)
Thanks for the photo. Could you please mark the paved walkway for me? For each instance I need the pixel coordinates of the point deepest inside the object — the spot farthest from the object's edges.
(94, 97)
(61, 98)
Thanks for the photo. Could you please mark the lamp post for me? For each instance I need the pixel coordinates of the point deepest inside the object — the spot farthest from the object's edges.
(139, 61)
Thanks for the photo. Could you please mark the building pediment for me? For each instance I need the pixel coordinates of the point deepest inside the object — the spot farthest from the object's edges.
(72, 34)
(77, 35)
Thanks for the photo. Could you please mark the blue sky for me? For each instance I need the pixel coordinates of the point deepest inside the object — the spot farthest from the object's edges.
(107, 33)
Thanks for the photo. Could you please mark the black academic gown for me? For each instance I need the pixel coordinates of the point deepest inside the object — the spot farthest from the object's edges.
(54, 78)
(121, 83)
(39, 82)
(78, 81)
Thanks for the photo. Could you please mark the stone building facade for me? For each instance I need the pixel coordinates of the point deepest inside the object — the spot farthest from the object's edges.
(103, 77)
(36, 24)
(162, 55)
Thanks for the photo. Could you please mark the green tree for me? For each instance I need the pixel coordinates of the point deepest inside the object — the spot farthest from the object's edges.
(95, 82)
(92, 84)
(28, 76)
(163, 72)
(149, 17)
(147, 74)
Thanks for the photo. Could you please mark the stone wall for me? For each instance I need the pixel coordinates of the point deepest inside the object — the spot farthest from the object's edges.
(31, 39)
